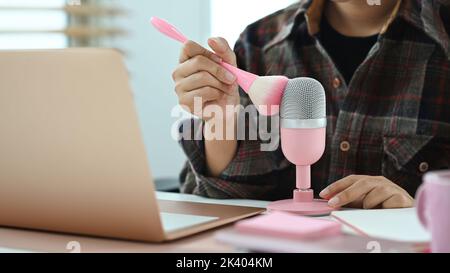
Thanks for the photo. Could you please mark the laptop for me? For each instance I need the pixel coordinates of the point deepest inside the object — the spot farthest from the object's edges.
(72, 158)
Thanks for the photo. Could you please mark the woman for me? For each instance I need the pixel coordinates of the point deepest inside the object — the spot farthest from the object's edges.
(386, 72)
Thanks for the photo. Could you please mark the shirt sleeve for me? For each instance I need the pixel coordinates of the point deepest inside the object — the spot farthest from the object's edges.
(252, 174)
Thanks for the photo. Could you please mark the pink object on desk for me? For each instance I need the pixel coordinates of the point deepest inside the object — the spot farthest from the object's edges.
(433, 206)
(286, 225)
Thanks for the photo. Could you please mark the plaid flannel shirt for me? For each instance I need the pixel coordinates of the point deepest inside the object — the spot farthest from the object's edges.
(392, 119)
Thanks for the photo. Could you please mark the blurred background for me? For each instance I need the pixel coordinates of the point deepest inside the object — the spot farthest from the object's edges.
(150, 57)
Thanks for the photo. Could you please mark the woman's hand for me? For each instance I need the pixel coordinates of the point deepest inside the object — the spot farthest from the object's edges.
(368, 192)
(200, 75)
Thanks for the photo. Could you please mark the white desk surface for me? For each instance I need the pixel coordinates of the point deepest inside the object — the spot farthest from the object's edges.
(17, 240)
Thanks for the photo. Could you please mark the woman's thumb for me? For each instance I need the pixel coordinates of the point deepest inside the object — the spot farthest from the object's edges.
(223, 50)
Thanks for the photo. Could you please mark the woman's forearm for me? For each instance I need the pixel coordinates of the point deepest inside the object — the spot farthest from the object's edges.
(219, 152)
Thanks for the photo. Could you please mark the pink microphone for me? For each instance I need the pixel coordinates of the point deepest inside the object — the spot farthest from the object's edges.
(303, 133)
(265, 92)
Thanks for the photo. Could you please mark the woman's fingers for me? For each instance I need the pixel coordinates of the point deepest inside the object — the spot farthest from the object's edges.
(398, 201)
(338, 186)
(223, 50)
(367, 192)
(207, 94)
(201, 63)
(351, 194)
(376, 197)
(192, 49)
(201, 75)
(199, 80)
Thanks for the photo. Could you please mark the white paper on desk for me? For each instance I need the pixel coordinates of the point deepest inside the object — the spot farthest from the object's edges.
(400, 225)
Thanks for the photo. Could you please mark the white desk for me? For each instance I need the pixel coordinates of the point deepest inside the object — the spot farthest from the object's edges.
(17, 240)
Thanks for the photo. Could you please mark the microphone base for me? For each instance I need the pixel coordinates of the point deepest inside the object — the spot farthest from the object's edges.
(303, 203)
(314, 208)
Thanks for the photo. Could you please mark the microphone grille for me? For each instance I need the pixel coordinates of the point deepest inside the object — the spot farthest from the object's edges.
(303, 98)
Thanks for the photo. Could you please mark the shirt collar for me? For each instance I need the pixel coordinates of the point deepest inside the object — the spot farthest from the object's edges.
(425, 16)
(300, 9)
(422, 14)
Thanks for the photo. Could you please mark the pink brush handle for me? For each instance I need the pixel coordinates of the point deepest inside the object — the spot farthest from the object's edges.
(167, 29)
(244, 78)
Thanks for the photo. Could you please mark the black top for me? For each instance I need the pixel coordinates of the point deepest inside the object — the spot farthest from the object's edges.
(347, 52)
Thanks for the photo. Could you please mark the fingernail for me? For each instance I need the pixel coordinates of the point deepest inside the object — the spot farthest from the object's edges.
(333, 201)
(325, 192)
(217, 42)
(213, 41)
(216, 58)
(230, 77)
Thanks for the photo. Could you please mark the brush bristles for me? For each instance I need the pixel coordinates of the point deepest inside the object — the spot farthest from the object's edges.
(266, 93)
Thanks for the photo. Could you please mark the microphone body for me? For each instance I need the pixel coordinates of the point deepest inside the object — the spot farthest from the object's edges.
(303, 126)
(303, 134)
(303, 147)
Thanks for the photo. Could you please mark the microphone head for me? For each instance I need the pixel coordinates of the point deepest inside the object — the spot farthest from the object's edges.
(303, 104)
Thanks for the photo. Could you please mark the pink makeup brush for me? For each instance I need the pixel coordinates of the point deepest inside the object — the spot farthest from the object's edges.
(265, 92)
